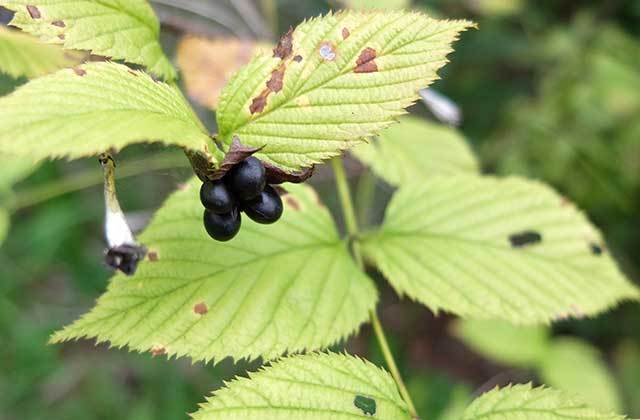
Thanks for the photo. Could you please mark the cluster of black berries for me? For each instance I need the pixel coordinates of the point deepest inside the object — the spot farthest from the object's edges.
(243, 189)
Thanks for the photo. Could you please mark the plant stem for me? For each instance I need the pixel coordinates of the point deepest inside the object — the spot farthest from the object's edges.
(352, 229)
(91, 177)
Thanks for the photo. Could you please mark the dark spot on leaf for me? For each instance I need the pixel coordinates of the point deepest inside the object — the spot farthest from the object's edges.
(366, 404)
(526, 238)
(158, 351)
(365, 62)
(327, 51)
(258, 103)
(133, 73)
(79, 71)
(153, 256)
(345, 33)
(61, 36)
(236, 154)
(34, 12)
(276, 175)
(275, 83)
(125, 257)
(285, 45)
(596, 249)
(297, 58)
(58, 23)
(201, 308)
(292, 202)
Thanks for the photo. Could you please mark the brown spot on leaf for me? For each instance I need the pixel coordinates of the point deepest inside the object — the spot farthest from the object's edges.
(276, 175)
(285, 45)
(365, 62)
(292, 202)
(133, 73)
(34, 12)
(345, 33)
(258, 103)
(61, 36)
(236, 154)
(153, 256)
(327, 51)
(275, 83)
(280, 190)
(297, 58)
(58, 23)
(200, 308)
(79, 71)
(158, 351)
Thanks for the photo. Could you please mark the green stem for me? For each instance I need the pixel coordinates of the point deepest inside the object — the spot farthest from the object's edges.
(89, 178)
(352, 229)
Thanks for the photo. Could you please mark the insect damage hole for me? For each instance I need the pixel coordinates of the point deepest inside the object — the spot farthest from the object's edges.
(526, 238)
(596, 249)
(327, 51)
(365, 404)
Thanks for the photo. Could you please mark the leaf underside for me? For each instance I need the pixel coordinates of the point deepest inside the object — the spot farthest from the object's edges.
(285, 287)
(417, 149)
(522, 402)
(313, 387)
(22, 55)
(119, 29)
(333, 81)
(92, 108)
(488, 248)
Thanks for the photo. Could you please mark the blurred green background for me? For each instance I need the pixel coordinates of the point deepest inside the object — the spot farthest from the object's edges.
(548, 89)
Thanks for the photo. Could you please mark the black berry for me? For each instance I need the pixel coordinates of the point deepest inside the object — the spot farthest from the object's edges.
(266, 208)
(247, 179)
(222, 227)
(216, 197)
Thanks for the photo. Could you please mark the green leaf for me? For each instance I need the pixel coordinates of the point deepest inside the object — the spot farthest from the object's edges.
(523, 402)
(4, 224)
(290, 287)
(332, 82)
(312, 387)
(92, 108)
(492, 248)
(417, 149)
(22, 55)
(575, 366)
(120, 29)
(504, 342)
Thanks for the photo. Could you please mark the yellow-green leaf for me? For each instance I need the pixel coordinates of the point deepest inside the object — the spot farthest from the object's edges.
(22, 55)
(92, 108)
(332, 82)
(119, 29)
(417, 149)
(286, 287)
(312, 387)
(492, 248)
(522, 402)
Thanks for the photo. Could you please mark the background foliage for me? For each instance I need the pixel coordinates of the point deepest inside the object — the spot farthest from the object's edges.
(546, 91)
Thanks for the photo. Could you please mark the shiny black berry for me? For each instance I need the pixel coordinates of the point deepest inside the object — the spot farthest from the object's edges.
(266, 208)
(222, 227)
(247, 179)
(216, 197)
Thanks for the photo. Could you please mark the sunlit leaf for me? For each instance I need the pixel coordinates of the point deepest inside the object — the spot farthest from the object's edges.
(92, 108)
(415, 150)
(119, 29)
(290, 286)
(523, 402)
(312, 387)
(23, 55)
(492, 248)
(332, 82)
(208, 64)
